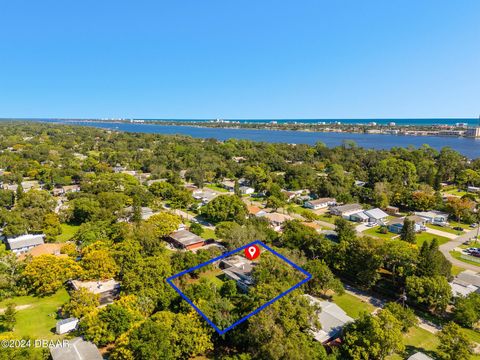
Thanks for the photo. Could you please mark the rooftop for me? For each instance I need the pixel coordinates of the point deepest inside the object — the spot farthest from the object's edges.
(332, 318)
(25, 240)
(376, 213)
(348, 207)
(186, 237)
(78, 349)
(96, 287)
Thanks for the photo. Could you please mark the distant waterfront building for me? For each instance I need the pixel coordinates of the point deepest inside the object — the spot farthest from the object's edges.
(473, 132)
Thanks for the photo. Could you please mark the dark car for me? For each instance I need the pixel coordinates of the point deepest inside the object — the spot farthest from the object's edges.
(458, 228)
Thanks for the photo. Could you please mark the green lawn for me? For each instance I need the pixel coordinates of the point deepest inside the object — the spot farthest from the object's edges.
(213, 276)
(376, 233)
(424, 236)
(208, 234)
(68, 231)
(417, 339)
(457, 255)
(38, 320)
(456, 223)
(327, 218)
(455, 191)
(216, 188)
(445, 229)
(352, 305)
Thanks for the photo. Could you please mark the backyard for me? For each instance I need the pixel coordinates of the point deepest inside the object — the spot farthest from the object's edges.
(38, 317)
(68, 231)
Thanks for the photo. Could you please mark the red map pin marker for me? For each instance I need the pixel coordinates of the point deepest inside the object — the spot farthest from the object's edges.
(252, 252)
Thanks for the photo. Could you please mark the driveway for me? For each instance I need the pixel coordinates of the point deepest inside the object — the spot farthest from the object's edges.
(459, 240)
(441, 233)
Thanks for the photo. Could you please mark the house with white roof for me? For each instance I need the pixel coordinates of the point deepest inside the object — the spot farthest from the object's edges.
(319, 203)
(433, 217)
(276, 220)
(331, 317)
(77, 349)
(346, 210)
(376, 215)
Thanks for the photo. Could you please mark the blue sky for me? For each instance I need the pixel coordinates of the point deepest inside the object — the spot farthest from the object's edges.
(240, 59)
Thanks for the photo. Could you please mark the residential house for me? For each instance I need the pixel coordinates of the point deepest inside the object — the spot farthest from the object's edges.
(358, 217)
(320, 203)
(276, 220)
(360, 183)
(185, 239)
(66, 325)
(462, 288)
(376, 216)
(30, 185)
(396, 226)
(331, 317)
(107, 290)
(77, 349)
(433, 217)
(228, 184)
(346, 210)
(11, 187)
(58, 191)
(239, 269)
(470, 277)
(238, 159)
(23, 243)
(44, 249)
(71, 188)
(255, 210)
(246, 190)
(392, 210)
(420, 356)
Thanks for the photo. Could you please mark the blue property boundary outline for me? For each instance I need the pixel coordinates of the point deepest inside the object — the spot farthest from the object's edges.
(256, 242)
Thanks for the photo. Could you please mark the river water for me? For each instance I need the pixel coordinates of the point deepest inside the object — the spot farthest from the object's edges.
(467, 146)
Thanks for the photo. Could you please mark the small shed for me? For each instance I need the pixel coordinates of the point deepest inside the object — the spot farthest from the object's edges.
(66, 325)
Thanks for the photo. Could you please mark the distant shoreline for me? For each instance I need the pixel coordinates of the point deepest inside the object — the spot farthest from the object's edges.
(458, 128)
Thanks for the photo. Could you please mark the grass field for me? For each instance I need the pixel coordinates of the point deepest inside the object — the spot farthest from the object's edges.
(352, 305)
(457, 255)
(68, 231)
(375, 232)
(38, 320)
(417, 339)
(424, 236)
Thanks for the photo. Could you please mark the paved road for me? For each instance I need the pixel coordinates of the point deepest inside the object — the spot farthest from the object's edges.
(452, 244)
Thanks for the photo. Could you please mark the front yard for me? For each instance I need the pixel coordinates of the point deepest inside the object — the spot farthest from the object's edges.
(352, 305)
(424, 236)
(375, 232)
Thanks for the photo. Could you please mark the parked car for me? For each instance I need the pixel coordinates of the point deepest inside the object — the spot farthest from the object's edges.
(458, 228)
(474, 225)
